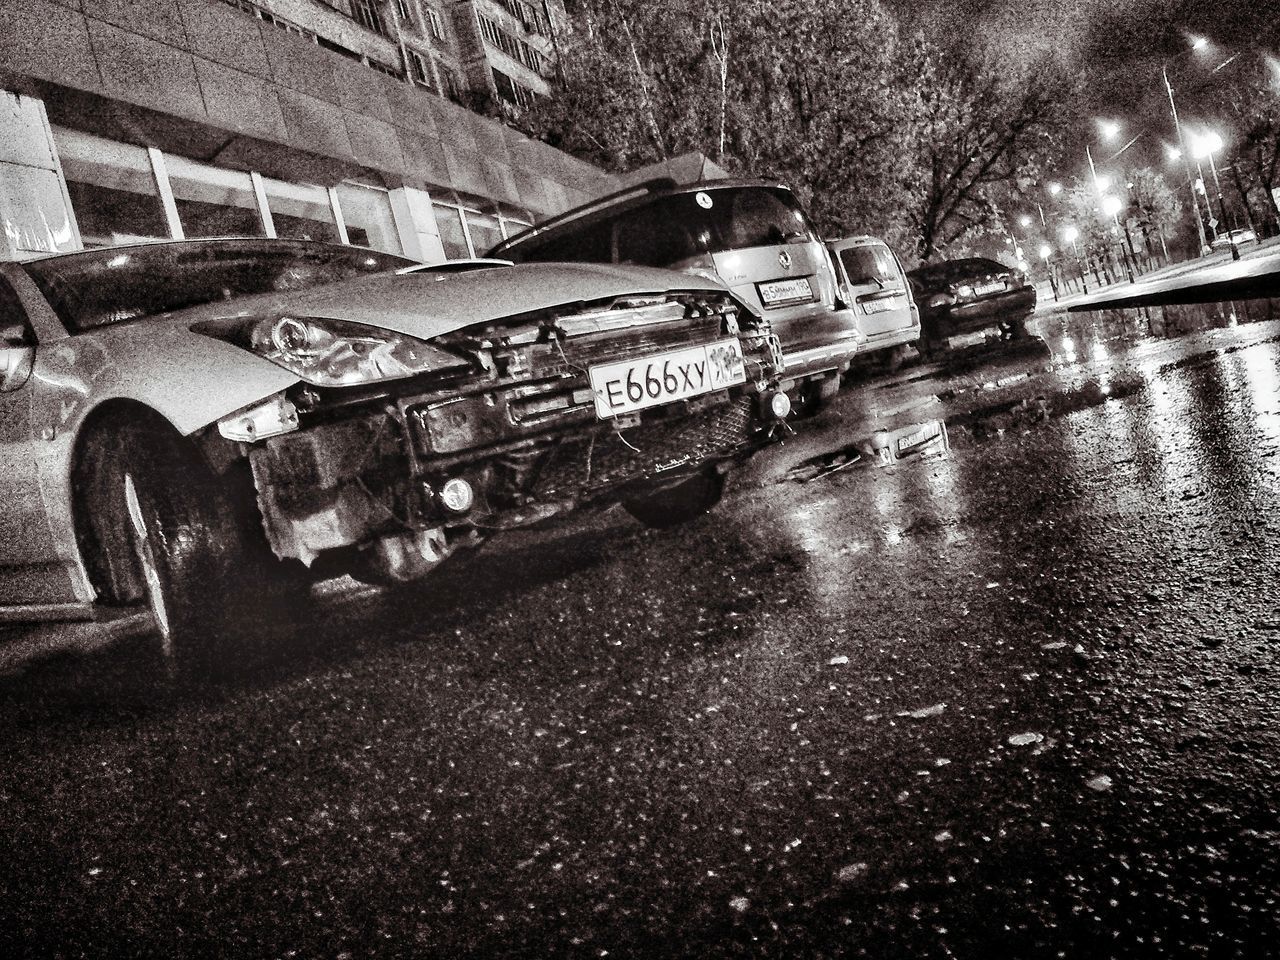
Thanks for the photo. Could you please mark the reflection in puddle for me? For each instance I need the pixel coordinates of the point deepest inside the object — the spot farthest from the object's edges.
(882, 448)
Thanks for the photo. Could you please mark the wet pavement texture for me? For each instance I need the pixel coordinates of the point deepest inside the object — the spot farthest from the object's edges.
(1014, 695)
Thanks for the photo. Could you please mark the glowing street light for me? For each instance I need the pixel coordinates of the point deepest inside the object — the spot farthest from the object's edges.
(1109, 128)
(1199, 43)
(1206, 145)
(1025, 220)
(1102, 181)
(1173, 153)
(1070, 234)
(1046, 251)
(1055, 188)
(1111, 206)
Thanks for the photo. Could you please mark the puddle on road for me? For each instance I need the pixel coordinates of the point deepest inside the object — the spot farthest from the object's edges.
(1009, 403)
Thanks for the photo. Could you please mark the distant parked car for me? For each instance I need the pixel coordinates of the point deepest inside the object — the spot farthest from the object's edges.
(871, 281)
(1233, 236)
(751, 235)
(962, 296)
(184, 424)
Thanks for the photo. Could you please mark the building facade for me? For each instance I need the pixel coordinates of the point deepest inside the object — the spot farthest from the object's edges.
(346, 120)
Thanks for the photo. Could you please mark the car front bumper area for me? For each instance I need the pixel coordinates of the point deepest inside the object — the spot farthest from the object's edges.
(403, 482)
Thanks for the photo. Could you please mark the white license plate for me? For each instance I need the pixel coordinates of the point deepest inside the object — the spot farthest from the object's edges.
(777, 293)
(983, 289)
(631, 385)
(883, 305)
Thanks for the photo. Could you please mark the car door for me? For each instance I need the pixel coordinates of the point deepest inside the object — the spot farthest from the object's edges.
(30, 569)
(872, 283)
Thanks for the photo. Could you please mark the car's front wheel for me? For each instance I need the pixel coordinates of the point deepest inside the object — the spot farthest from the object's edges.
(167, 537)
(681, 503)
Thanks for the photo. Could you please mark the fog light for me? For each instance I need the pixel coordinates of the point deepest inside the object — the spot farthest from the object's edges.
(457, 495)
(780, 405)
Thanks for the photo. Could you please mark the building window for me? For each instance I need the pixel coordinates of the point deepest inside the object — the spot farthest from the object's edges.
(514, 48)
(390, 71)
(453, 235)
(367, 14)
(213, 202)
(420, 71)
(450, 85)
(512, 92)
(435, 26)
(366, 211)
(511, 226)
(300, 211)
(530, 17)
(402, 8)
(484, 230)
(112, 188)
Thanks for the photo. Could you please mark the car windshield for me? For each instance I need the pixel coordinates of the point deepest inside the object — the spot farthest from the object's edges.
(98, 288)
(678, 227)
(872, 263)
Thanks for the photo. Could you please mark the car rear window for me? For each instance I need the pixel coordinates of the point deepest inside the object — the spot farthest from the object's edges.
(101, 287)
(952, 270)
(677, 227)
(872, 263)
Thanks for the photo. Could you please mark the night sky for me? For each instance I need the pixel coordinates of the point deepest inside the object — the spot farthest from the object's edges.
(1117, 47)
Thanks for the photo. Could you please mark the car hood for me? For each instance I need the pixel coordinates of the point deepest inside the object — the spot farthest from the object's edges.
(424, 305)
(179, 365)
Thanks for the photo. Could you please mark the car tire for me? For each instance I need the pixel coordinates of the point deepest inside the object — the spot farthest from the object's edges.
(171, 538)
(893, 359)
(678, 504)
(930, 348)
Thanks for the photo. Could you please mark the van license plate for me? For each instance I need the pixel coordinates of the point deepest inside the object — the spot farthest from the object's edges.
(631, 385)
(780, 293)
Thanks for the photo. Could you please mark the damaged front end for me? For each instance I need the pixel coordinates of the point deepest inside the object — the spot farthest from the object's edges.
(543, 414)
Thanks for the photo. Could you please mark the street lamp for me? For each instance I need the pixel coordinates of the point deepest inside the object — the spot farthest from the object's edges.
(1071, 235)
(1206, 145)
(1046, 252)
(1197, 43)
(1112, 206)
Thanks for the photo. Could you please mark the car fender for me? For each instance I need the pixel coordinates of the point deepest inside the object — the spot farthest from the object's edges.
(188, 380)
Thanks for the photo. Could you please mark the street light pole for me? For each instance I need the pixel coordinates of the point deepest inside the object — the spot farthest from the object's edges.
(1186, 164)
(1222, 209)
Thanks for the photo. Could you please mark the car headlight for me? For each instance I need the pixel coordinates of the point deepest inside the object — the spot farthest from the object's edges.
(339, 353)
(964, 291)
(941, 300)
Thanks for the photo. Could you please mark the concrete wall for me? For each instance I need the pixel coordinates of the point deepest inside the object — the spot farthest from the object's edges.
(177, 74)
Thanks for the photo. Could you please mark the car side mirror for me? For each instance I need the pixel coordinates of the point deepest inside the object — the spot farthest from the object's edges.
(16, 357)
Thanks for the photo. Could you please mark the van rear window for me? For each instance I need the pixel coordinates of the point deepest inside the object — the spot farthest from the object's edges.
(872, 263)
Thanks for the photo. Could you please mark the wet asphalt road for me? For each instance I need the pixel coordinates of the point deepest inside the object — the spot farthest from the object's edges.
(1019, 701)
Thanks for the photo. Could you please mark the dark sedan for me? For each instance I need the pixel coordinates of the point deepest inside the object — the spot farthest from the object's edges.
(962, 296)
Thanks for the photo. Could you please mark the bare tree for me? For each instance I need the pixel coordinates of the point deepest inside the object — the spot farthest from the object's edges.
(986, 136)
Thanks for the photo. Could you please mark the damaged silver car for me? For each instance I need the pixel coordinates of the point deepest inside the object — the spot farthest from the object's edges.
(183, 423)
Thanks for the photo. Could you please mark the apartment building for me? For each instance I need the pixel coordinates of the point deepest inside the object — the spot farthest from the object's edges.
(371, 122)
